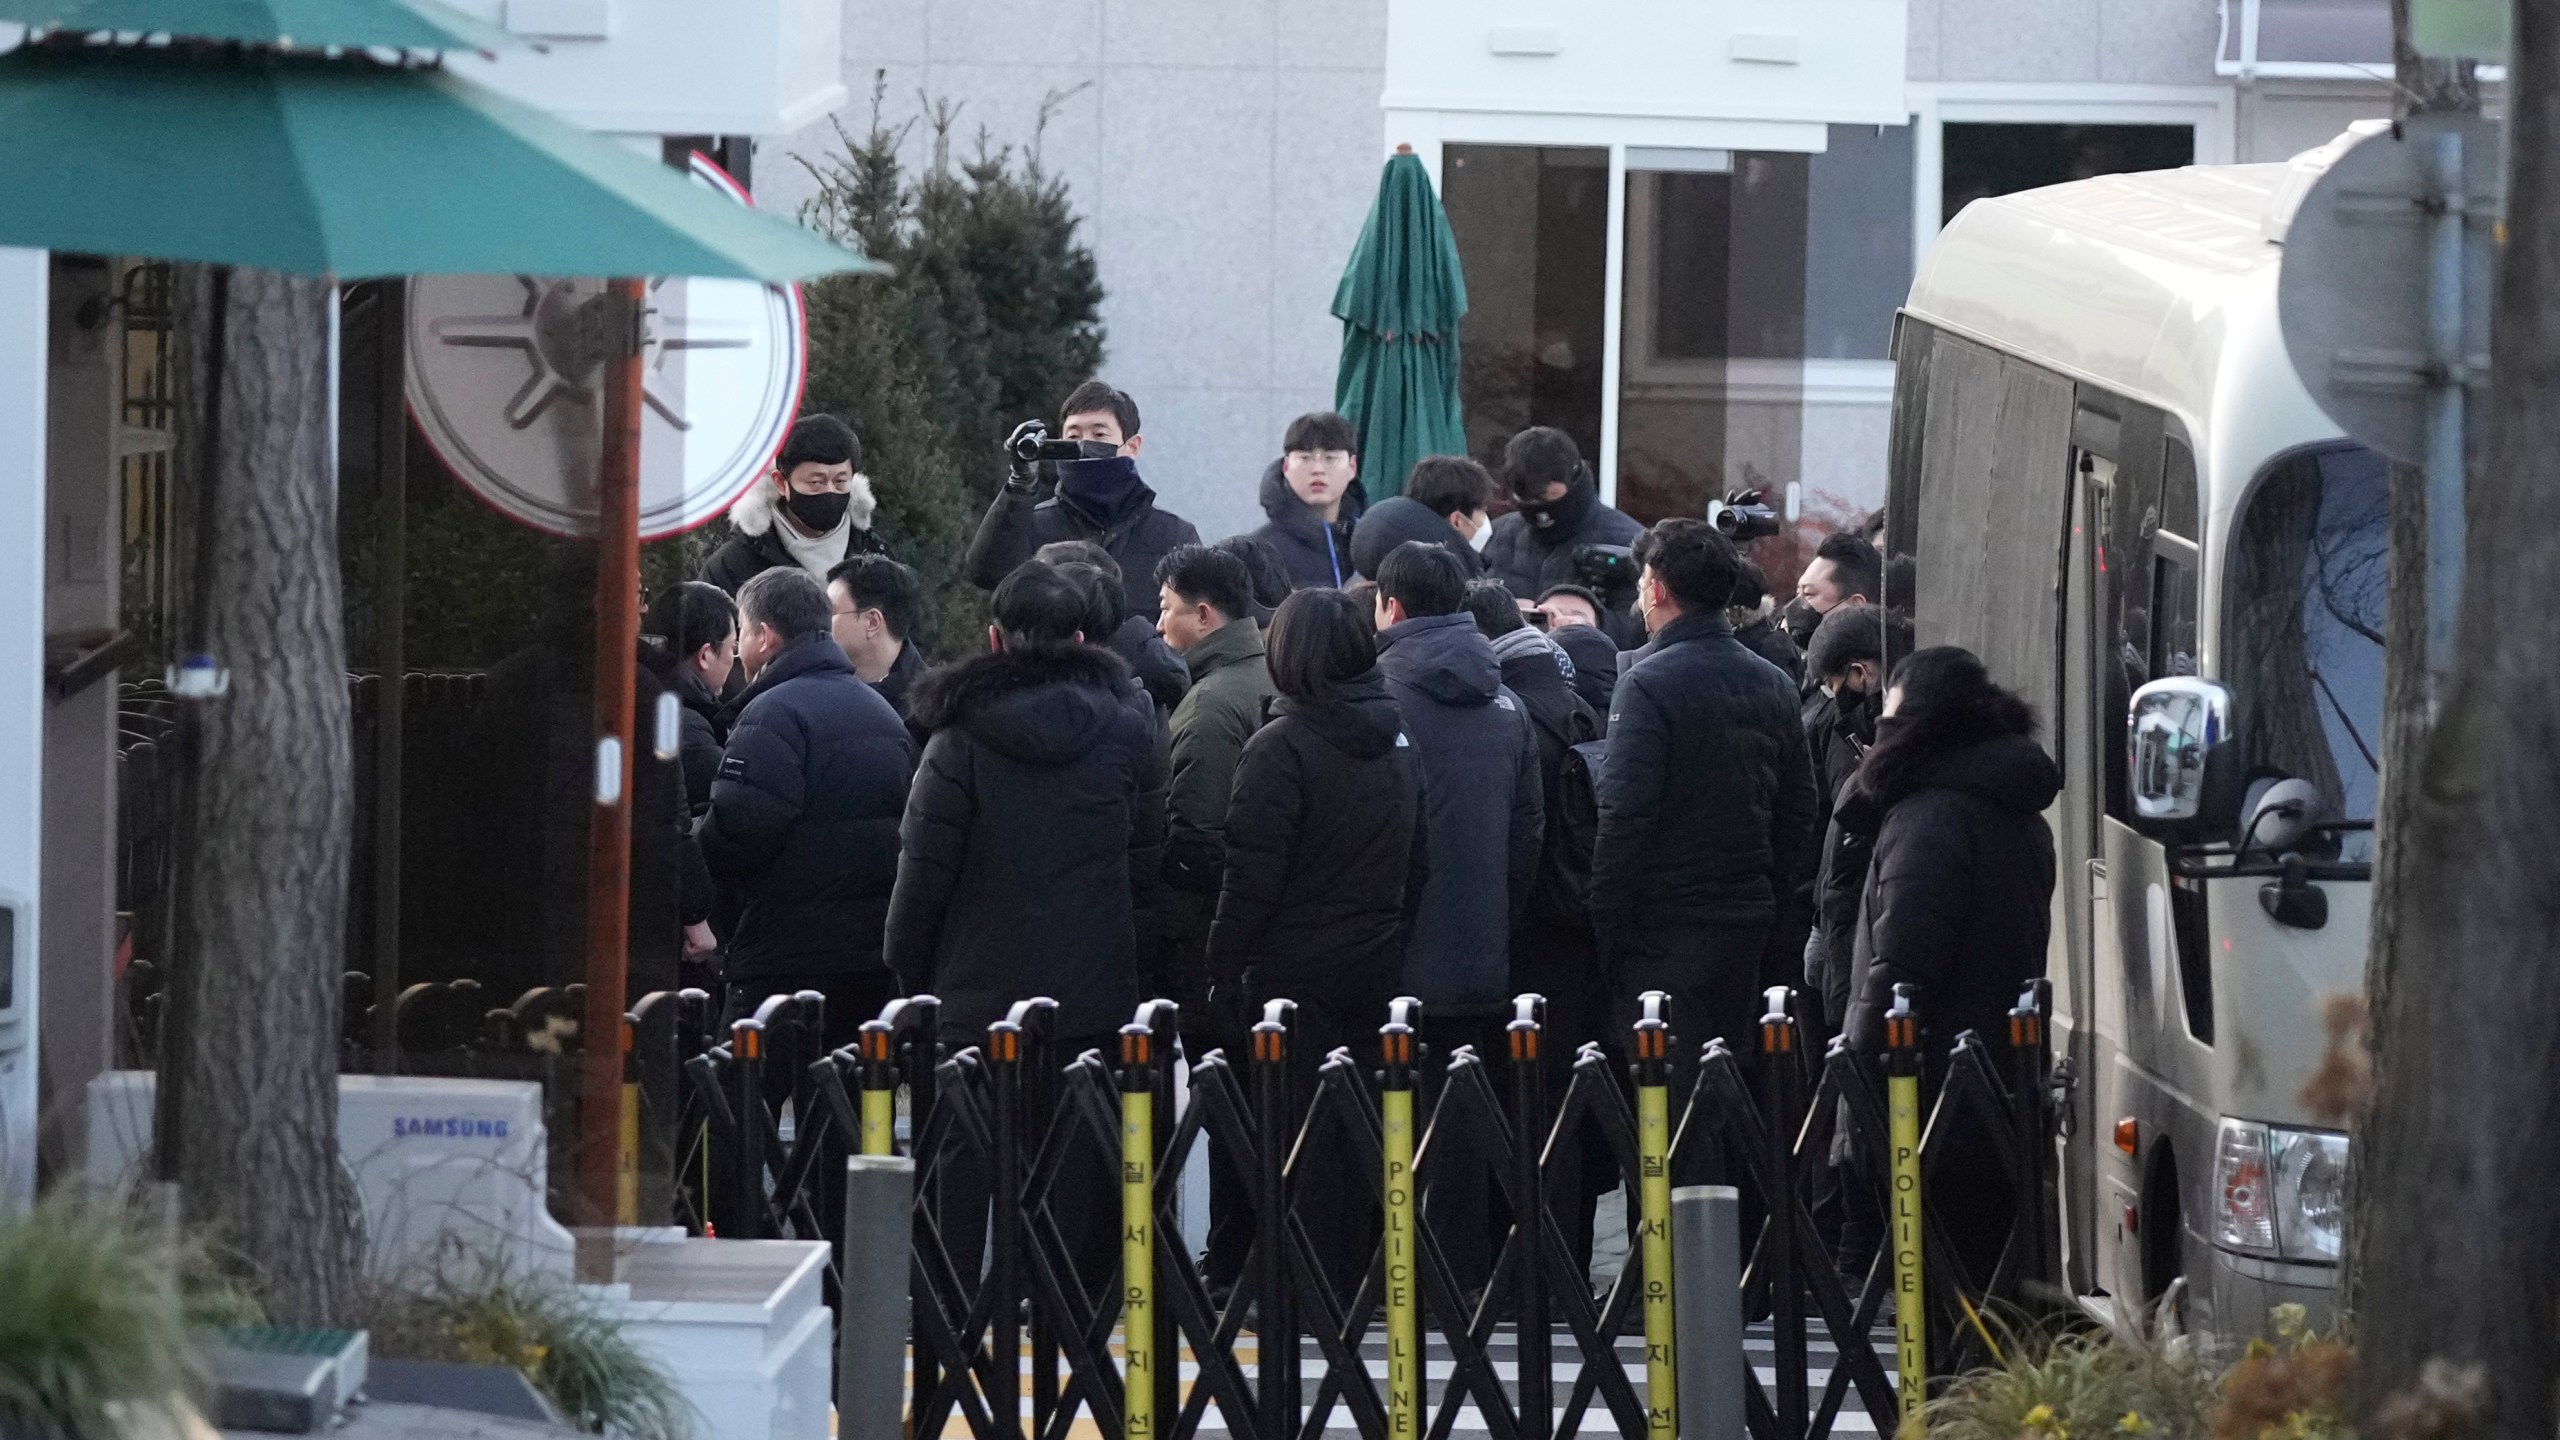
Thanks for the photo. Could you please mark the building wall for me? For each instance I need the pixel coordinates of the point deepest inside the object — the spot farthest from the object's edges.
(1223, 154)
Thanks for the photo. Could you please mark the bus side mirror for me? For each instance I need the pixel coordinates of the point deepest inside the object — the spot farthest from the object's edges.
(2178, 732)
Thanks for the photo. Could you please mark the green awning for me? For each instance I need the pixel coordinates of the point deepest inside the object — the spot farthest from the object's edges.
(296, 24)
(352, 169)
(1399, 302)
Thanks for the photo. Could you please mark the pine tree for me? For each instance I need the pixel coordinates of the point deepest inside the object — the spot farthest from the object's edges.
(990, 315)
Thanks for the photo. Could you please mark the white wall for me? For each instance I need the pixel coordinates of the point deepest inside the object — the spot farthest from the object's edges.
(22, 430)
(1223, 154)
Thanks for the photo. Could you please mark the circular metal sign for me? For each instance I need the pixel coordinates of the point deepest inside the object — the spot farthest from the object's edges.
(2354, 296)
(505, 380)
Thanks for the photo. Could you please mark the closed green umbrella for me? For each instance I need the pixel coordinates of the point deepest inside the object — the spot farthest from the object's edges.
(1399, 303)
(349, 168)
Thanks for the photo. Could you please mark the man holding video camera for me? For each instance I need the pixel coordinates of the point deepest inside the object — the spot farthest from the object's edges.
(1099, 497)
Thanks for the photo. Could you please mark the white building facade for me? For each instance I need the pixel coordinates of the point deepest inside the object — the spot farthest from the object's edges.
(1685, 229)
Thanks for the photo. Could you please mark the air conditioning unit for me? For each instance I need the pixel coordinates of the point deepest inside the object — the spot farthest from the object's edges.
(444, 1168)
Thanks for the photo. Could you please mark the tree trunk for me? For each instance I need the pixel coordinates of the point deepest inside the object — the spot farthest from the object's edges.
(263, 848)
(2459, 1250)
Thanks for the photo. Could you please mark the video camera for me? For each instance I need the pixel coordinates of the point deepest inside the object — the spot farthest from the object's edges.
(1030, 444)
(1606, 571)
(1745, 516)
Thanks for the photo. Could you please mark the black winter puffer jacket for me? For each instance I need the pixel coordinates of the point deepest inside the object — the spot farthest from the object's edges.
(804, 815)
(1397, 519)
(1707, 807)
(1316, 555)
(1483, 810)
(1322, 830)
(1037, 808)
(1960, 890)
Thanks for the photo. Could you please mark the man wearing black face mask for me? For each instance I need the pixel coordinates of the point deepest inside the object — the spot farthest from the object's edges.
(1846, 666)
(1559, 512)
(1099, 498)
(812, 511)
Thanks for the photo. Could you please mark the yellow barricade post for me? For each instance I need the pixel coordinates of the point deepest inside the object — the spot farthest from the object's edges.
(1138, 1231)
(879, 1090)
(1653, 1203)
(1902, 1130)
(1404, 1329)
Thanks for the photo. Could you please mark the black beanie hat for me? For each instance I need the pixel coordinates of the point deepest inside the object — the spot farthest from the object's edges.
(819, 440)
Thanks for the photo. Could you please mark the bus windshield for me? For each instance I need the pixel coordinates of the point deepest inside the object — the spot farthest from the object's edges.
(2310, 580)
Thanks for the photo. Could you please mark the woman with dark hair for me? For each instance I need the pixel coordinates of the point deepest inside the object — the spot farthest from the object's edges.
(695, 629)
(1958, 902)
(1321, 834)
(1960, 890)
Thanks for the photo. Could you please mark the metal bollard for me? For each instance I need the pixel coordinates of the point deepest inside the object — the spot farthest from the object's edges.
(1534, 1340)
(2030, 1097)
(1404, 1329)
(1138, 1232)
(1004, 1224)
(871, 1382)
(626, 1155)
(1277, 1391)
(1902, 1126)
(746, 1074)
(1782, 1080)
(1706, 1256)
(1652, 1068)
(879, 1081)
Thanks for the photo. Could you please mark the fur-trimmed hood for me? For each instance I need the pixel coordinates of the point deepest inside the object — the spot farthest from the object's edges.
(1042, 704)
(752, 514)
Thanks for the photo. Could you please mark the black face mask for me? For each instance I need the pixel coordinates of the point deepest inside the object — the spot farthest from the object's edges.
(1801, 621)
(818, 514)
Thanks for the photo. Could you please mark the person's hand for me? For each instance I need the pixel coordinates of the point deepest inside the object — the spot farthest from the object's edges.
(1023, 476)
(698, 940)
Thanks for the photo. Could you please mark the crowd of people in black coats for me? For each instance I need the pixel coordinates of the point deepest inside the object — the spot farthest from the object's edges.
(1363, 751)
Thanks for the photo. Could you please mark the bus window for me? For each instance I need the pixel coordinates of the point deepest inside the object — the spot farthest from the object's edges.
(2310, 567)
(2173, 623)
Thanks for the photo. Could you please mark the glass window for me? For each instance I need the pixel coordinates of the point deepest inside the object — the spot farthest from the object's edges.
(1532, 225)
(2337, 32)
(1987, 159)
(2310, 582)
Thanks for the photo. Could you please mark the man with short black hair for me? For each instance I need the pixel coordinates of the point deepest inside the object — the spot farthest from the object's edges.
(1131, 637)
(878, 605)
(813, 509)
(1098, 498)
(1208, 617)
(1483, 820)
(804, 813)
(1313, 496)
(1443, 504)
(1706, 803)
(1845, 571)
(1559, 512)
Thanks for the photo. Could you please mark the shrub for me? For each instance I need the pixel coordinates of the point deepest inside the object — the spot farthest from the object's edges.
(571, 1348)
(98, 1320)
